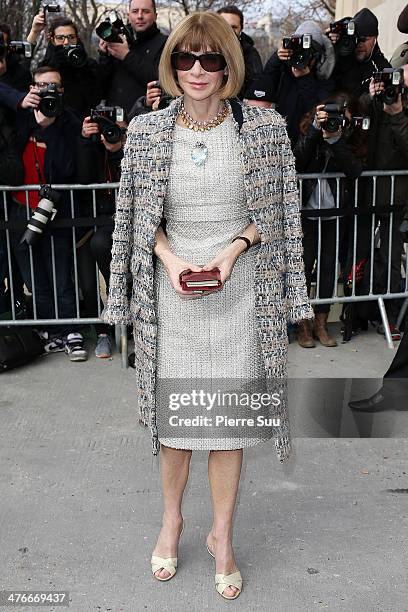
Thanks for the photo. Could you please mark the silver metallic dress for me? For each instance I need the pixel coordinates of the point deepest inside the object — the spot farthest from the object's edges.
(213, 336)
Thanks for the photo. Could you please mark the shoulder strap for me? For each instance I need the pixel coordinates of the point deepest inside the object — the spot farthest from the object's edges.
(237, 112)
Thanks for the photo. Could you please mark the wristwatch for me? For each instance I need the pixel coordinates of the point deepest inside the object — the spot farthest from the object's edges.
(248, 242)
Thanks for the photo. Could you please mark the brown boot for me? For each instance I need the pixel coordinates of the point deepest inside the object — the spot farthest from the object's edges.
(320, 329)
(304, 334)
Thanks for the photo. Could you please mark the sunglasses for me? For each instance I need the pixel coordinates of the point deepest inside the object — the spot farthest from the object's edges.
(210, 62)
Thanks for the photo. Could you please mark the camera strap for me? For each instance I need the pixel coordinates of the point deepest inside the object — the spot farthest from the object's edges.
(41, 177)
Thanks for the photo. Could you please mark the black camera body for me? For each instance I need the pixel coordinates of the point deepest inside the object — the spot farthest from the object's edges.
(346, 28)
(337, 119)
(19, 47)
(165, 99)
(51, 8)
(393, 79)
(75, 55)
(46, 210)
(51, 102)
(106, 118)
(111, 28)
(301, 47)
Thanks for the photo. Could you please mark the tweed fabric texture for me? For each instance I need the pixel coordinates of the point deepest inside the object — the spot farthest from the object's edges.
(214, 336)
(273, 205)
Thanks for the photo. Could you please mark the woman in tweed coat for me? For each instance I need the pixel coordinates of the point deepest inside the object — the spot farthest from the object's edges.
(272, 201)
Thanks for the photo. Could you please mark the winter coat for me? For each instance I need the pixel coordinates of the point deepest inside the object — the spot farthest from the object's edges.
(124, 81)
(273, 205)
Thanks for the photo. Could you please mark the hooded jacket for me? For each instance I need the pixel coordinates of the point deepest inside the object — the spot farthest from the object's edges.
(253, 62)
(273, 205)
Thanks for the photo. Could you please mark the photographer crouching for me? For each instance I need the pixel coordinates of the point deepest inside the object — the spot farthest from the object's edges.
(325, 146)
(47, 136)
(99, 157)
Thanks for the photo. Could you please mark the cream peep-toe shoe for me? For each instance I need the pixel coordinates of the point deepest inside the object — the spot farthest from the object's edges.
(167, 563)
(222, 581)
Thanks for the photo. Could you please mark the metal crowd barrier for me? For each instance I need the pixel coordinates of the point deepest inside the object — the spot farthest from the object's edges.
(372, 210)
(121, 330)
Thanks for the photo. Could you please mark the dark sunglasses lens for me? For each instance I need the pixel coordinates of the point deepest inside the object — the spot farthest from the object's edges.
(212, 62)
(183, 61)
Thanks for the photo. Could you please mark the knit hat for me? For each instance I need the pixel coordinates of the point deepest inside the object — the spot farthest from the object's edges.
(366, 23)
(402, 24)
(323, 45)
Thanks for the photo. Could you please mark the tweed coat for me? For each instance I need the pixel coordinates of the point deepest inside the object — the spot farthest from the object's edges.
(273, 205)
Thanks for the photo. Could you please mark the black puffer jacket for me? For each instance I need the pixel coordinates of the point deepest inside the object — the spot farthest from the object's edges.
(253, 62)
(293, 96)
(82, 86)
(124, 81)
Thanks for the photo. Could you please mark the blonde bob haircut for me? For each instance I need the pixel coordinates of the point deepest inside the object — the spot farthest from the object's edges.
(205, 31)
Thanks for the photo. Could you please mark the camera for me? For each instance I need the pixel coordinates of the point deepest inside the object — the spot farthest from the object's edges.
(45, 211)
(301, 47)
(337, 119)
(362, 123)
(75, 55)
(111, 28)
(15, 46)
(165, 99)
(51, 102)
(106, 118)
(51, 8)
(346, 28)
(393, 80)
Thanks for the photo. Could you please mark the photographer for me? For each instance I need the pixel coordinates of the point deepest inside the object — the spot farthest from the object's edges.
(14, 67)
(99, 157)
(388, 150)
(127, 66)
(324, 146)
(297, 80)
(253, 63)
(352, 72)
(47, 144)
(66, 53)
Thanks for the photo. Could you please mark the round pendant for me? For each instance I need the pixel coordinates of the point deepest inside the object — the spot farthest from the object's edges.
(199, 154)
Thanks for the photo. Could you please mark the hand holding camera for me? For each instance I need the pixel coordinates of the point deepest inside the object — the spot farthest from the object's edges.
(119, 50)
(326, 122)
(153, 93)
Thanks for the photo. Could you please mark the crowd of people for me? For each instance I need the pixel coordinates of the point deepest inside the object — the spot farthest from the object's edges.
(65, 122)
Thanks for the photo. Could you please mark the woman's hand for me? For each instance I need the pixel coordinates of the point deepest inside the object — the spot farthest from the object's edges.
(174, 266)
(225, 260)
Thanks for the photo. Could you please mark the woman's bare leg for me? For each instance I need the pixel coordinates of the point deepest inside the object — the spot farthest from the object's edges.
(224, 470)
(174, 467)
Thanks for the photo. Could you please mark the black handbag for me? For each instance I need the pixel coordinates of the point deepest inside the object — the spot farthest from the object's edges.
(18, 345)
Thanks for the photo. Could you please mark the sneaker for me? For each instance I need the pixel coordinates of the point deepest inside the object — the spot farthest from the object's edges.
(74, 347)
(55, 345)
(103, 348)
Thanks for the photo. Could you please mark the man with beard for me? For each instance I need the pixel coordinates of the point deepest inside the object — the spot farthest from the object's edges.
(352, 73)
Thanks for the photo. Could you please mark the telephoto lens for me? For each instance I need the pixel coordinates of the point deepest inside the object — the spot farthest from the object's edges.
(45, 211)
(51, 103)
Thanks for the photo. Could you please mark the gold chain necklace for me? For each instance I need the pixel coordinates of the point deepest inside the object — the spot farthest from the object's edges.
(202, 126)
(199, 153)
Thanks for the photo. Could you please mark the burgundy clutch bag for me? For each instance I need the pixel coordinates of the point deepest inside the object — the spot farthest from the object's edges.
(196, 282)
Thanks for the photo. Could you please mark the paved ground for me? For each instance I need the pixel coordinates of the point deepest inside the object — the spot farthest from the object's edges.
(80, 495)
